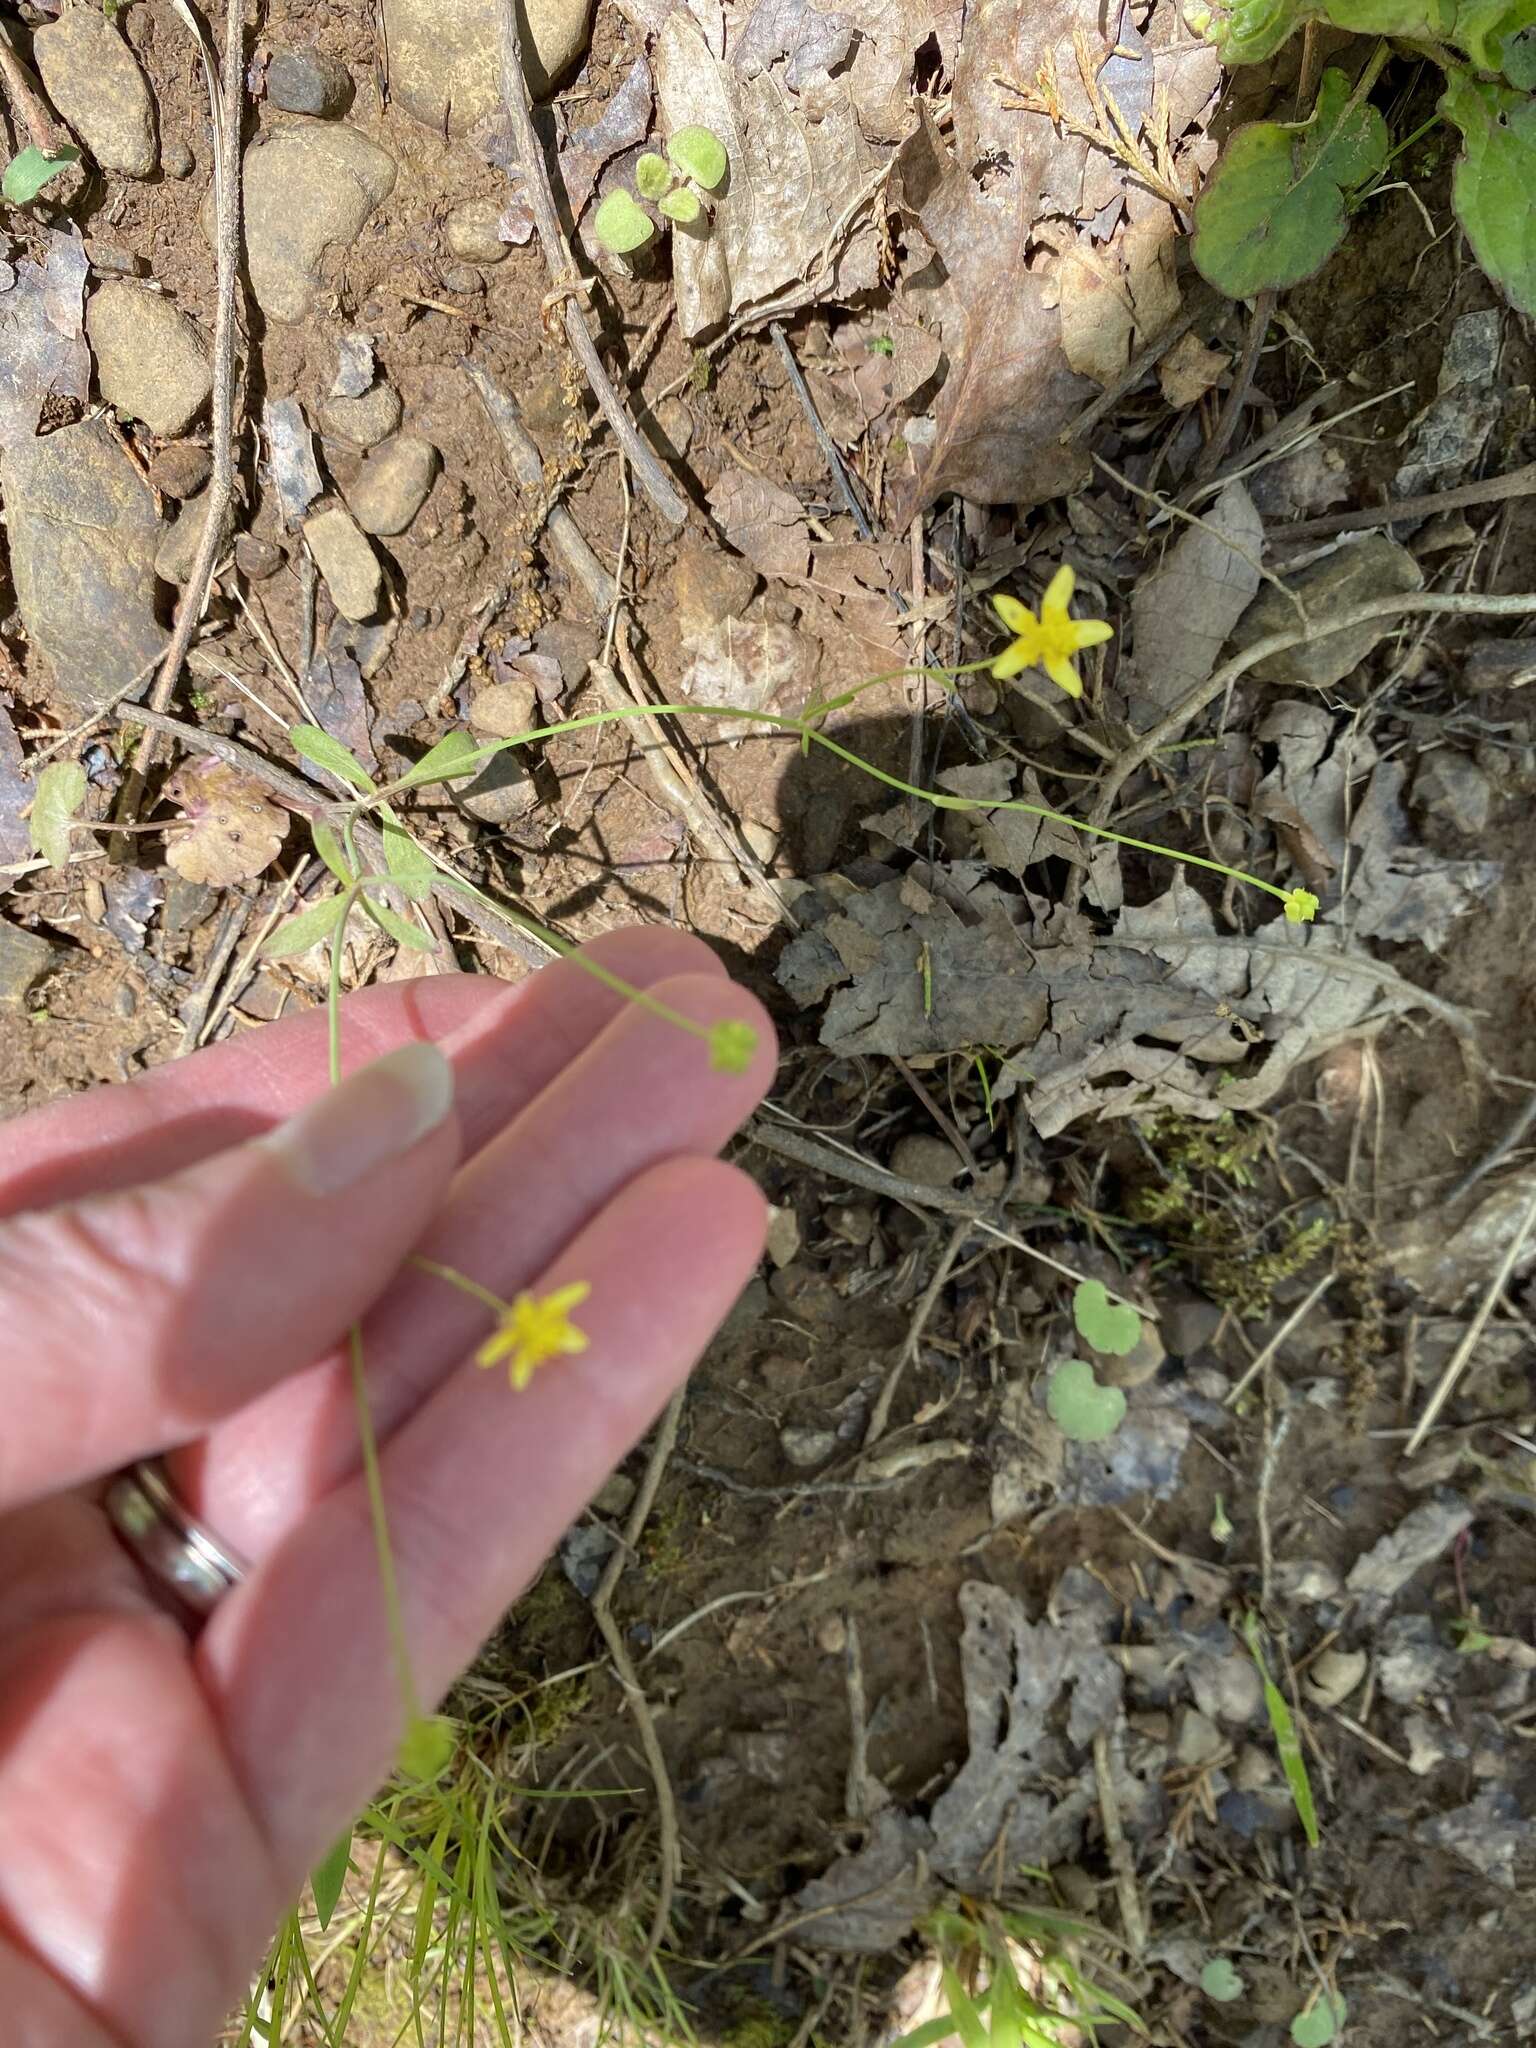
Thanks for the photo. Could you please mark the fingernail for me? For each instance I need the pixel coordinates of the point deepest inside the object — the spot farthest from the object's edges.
(375, 1116)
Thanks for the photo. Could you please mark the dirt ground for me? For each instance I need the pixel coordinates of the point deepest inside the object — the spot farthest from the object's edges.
(867, 1442)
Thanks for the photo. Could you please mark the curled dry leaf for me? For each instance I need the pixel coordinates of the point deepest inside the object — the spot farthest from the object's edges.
(235, 833)
(1115, 299)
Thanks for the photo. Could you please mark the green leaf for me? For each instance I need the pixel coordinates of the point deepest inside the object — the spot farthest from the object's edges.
(455, 755)
(621, 225)
(1249, 31)
(699, 154)
(399, 928)
(1282, 1725)
(410, 863)
(427, 1747)
(311, 744)
(1494, 179)
(1080, 1408)
(1219, 1980)
(1520, 57)
(1109, 1326)
(328, 1877)
(1319, 2024)
(27, 174)
(60, 793)
(306, 930)
(681, 205)
(1276, 206)
(332, 852)
(653, 175)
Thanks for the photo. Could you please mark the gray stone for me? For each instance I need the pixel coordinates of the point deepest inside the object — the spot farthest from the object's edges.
(458, 277)
(308, 82)
(501, 793)
(149, 357)
(94, 81)
(1351, 575)
(176, 160)
(24, 960)
(181, 469)
(257, 558)
(392, 485)
(308, 191)
(472, 231)
(1419, 1538)
(111, 259)
(363, 422)
(445, 63)
(345, 558)
(927, 1161)
(1448, 1265)
(83, 529)
(179, 545)
(805, 1448)
(503, 710)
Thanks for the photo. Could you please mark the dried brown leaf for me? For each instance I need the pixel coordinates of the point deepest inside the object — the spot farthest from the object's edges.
(764, 522)
(1184, 612)
(235, 833)
(45, 363)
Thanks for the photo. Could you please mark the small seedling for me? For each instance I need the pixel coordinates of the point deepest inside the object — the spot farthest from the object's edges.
(1319, 2024)
(1111, 1327)
(1282, 1723)
(1220, 1980)
(27, 174)
(1081, 1409)
(695, 163)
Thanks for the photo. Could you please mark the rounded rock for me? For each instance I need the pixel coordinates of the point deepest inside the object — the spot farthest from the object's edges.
(177, 552)
(308, 191)
(308, 82)
(180, 470)
(257, 559)
(392, 485)
(94, 81)
(504, 711)
(352, 571)
(363, 422)
(149, 357)
(176, 159)
(473, 232)
(445, 63)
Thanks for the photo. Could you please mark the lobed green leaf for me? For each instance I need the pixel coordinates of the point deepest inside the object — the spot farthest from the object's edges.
(1494, 180)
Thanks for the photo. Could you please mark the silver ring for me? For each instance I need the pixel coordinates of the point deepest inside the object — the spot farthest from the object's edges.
(168, 1543)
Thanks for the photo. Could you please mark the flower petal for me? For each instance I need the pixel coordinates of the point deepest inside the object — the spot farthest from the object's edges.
(1058, 592)
(1092, 632)
(1063, 674)
(1015, 616)
(1013, 660)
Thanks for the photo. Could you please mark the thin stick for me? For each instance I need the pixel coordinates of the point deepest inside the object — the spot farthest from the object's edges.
(1242, 383)
(1457, 1364)
(567, 281)
(880, 1415)
(824, 441)
(1132, 1916)
(23, 92)
(1496, 1154)
(1196, 307)
(1297, 1314)
(1493, 490)
(1195, 701)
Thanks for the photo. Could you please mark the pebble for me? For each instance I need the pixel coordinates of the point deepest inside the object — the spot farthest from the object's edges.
(501, 793)
(1333, 1675)
(472, 231)
(110, 258)
(392, 485)
(308, 191)
(709, 587)
(94, 82)
(929, 1162)
(365, 421)
(24, 960)
(181, 469)
(182, 539)
(445, 65)
(502, 710)
(83, 531)
(308, 82)
(257, 559)
(458, 277)
(615, 1494)
(352, 571)
(176, 159)
(149, 357)
(805, 1448)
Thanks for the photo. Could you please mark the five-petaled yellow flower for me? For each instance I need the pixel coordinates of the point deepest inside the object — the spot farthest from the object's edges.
(1051, 640)
(1300, 906)
(531, 1332)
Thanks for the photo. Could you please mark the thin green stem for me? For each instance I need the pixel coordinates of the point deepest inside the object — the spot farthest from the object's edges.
(460, 1280)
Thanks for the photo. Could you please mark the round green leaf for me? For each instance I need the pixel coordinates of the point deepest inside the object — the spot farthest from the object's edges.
(1493, 181)
(1219, 1980)
(1109, 1326)
(653, 175)
(681, 205)
(1276, 206)
(699, 154)
(621, 225)
(1319, 2024)
(60, 793)
(27, 174)
(427, 1747)
(1080, 1408)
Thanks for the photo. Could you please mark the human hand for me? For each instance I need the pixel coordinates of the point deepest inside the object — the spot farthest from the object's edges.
(166, 1284)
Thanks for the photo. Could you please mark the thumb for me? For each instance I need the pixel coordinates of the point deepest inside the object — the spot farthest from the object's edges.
(129, 1323)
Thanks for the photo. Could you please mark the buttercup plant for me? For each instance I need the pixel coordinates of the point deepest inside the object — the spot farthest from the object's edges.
(695, 164)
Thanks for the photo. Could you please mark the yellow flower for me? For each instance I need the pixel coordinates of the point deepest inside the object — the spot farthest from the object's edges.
(1050, 641)
(731, 1046)
(1300, 906)
(531, 1332)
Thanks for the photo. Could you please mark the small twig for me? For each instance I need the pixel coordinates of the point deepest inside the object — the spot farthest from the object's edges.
(237, 915)
(634, 1692)
(880, 1414)
(1495, 1155)
(568, 284)
(1297, 1314)
(1492, 490)
(1194, 701)
(27, 99)
(1196, 307)
(1132, 1916)
(1459, 1359)
(1242, 383)
(861, 1795)
(824, 441)
(528, 468)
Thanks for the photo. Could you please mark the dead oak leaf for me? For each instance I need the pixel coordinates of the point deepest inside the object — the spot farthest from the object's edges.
(234, 835)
